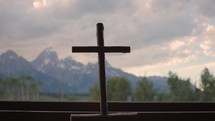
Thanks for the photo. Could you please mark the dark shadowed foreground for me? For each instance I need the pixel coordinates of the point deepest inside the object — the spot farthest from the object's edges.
(148, 111)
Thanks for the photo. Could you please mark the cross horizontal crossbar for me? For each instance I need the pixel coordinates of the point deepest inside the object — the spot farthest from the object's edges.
(106, 49)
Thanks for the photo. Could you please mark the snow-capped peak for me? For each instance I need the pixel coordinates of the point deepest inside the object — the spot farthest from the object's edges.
(46, 58)
(49, 53)
(49, 49)
(9, 54)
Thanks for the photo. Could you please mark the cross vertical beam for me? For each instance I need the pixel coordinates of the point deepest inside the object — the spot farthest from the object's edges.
(101, 50)
(101, 60)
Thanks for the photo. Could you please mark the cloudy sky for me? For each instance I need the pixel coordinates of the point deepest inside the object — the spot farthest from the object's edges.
(164, 35)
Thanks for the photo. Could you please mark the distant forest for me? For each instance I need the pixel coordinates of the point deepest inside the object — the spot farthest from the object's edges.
(19, 88)
(118, 89)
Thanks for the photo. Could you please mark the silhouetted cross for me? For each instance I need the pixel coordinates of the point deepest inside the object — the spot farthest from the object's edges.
(101, 50)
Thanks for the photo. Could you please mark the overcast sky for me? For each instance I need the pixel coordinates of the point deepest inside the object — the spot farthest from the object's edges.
(164, 35)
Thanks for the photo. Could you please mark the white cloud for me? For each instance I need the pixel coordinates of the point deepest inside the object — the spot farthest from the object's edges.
(160, 32)
(205, 45)
(39, 3)
(175, 45)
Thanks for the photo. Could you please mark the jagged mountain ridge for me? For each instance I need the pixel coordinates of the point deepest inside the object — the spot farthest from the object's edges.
(73, 73)
(58, 74)
(13, 65)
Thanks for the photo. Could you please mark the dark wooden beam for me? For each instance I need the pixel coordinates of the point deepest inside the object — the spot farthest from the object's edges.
(93, 107)
(108, 117)
(145, 111)
(106, 49)
(144, 116)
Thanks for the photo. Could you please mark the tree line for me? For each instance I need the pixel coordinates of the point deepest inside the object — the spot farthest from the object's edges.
(120, 89)
(19, 88)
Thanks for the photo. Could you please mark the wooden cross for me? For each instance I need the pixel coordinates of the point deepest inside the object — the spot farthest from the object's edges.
(101, 50)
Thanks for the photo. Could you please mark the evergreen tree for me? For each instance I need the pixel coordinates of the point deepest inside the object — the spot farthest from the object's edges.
(118, 89)
(208, 85)
(198, 94)
(180, 89)
(144, 91)
(1, 88)
(95, 96)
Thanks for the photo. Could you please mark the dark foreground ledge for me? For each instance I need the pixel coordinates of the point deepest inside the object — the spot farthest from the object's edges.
(109, 117)
(144, 116)
(93, 107)
(33, 116)
(82, 111)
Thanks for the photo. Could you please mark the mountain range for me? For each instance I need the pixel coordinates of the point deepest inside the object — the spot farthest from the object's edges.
(65, 74)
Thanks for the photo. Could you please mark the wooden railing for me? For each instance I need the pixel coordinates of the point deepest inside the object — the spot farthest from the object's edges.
(61, 111)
